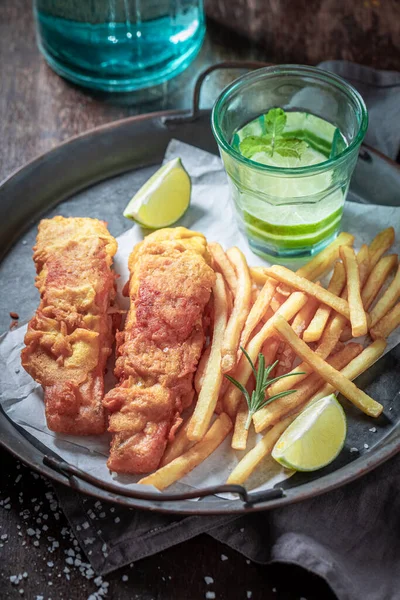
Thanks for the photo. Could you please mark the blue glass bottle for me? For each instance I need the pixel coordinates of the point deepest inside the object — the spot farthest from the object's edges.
(119, 45)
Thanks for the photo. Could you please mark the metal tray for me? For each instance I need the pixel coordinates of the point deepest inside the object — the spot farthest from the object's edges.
(93, 175)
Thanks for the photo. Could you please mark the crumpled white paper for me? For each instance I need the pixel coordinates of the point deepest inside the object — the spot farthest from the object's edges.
(212, 213)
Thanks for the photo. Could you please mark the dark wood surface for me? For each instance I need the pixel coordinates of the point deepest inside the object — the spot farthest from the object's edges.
(37, 111)
(310, 31)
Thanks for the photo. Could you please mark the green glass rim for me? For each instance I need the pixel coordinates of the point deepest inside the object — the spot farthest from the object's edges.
(313, 72)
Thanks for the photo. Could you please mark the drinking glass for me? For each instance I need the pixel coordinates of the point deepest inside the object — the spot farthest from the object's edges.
(119, 45)
(291, 212)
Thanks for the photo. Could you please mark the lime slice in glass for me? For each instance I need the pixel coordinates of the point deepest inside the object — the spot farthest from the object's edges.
(315, 437)
(163, 199)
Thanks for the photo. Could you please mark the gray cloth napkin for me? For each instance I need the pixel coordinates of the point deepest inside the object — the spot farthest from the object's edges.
(381, 92)
(338, 536)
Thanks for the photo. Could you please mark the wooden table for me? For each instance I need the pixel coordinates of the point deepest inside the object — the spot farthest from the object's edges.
(37, 111)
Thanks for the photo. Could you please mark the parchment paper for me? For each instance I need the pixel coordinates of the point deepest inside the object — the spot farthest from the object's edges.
(211, 213)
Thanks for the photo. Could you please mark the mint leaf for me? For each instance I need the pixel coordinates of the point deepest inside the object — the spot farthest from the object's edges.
(272, 141)
(275, 121)
(252, 144)
(290, 147)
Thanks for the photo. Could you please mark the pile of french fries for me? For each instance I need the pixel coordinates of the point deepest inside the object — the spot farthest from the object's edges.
(286, 316)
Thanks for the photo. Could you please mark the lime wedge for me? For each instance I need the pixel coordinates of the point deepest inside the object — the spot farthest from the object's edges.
(163, 199)
(315, 437)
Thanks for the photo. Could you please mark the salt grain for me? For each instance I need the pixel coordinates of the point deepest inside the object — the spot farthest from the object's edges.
(353, 450)
(208, 580)
(88, 541)
(249, 594)
(373, 429)
(210, 595)
(125, 578)
(366, 446)
(224, 557)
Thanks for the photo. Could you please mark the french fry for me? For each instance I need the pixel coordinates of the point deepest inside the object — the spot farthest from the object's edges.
(241, 308)
(255, 292)
(293, 280)
(180, 466)
(179, 444)
(387, 324)
(380, 244)
(387, 301)
(258, 276)
(212, 379)
(358, 318)
(224, 265)
(331, 375)
(315, 329)
(325, 259)
(258, 310)
(240, 433)
(275, 411)
(363, 263)
(201, 369)
(252, 459)
(325, 347)
(270, 348)
(377, 278)
(356, 367)
(317, 266)
(243, 370)
(264, 447)
(303, 318)
(286, 356)
(277, 301)
(229, 297)
(268, 314)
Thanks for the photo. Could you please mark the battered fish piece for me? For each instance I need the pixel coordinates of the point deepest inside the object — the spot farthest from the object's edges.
(158, 351)
(70, 337)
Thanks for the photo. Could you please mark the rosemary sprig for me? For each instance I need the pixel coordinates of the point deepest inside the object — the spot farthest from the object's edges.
(257, 399)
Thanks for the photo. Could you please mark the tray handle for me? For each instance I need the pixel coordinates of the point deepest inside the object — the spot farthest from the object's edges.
(229, 64)
(74, 475)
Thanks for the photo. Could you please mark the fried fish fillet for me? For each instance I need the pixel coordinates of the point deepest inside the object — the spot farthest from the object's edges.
(70, 337)
(159, 349)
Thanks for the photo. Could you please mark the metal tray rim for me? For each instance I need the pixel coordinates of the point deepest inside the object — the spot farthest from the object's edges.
(346, 474)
